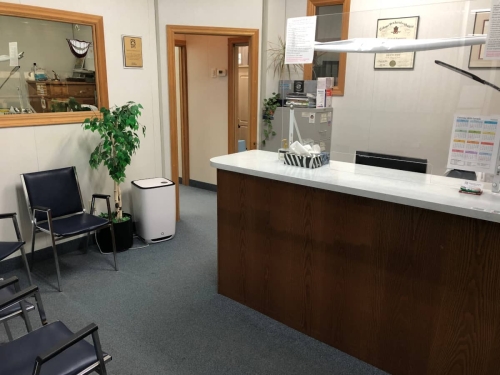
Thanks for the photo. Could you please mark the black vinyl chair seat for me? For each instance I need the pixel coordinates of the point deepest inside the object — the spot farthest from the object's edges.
(76, 224)
(7, 248)
(18, 356)
(7, 292)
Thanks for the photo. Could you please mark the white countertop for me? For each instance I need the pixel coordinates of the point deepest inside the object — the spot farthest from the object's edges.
(431, 192)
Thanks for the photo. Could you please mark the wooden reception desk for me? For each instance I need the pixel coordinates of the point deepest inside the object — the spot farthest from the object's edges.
(395, 268)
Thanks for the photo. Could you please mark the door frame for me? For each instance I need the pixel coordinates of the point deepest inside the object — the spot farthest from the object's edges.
(184, 104)
(232, 72)
(172, 31)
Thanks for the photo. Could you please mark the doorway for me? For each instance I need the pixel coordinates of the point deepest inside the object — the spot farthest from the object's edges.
(252, 35)
(182, 107)
(238, 95)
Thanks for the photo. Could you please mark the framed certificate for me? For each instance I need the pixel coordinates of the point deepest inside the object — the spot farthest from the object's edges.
(396, 28)
(132, 51)
(481, 26)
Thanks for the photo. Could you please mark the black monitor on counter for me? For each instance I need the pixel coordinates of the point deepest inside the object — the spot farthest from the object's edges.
(402, 163)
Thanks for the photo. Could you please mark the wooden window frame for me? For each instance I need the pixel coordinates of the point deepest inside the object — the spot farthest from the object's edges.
(96, 22)
(311, 11)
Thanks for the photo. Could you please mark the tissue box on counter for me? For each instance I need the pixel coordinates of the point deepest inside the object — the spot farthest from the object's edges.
(310, 162)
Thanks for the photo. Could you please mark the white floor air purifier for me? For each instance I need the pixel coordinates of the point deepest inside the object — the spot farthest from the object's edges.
(154, 209)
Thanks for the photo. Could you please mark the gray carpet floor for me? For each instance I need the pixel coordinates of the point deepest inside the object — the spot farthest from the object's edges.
(161, 314)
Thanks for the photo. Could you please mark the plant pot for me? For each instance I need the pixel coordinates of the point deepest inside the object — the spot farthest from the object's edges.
(124, 236)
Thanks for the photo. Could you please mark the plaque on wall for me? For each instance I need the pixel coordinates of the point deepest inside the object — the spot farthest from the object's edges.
(396, 28)
(481, 27)
(132, 51)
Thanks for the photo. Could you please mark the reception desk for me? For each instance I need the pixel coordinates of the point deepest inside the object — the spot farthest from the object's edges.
(395, 268)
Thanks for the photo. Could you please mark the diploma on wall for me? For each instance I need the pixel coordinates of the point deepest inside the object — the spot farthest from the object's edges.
(396, 28)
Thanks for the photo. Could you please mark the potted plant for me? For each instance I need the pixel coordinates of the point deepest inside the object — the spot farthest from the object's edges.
(276, 53)
(270, 105)
(119, 129)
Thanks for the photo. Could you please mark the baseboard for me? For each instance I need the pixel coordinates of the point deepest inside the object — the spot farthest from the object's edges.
(203, 185)
(12, 264)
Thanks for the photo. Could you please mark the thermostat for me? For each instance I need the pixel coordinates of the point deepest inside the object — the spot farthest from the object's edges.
(221, 72)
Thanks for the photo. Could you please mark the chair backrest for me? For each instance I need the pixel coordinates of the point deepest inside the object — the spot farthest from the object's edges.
(57, 189)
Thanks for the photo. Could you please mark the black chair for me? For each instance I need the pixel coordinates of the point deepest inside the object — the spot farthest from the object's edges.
(463, 175)
(7, 289)
(9, 248)
(52, 349)
(56, 207)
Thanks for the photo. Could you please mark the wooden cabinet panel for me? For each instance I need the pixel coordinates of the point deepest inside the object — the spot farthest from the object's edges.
(80, 91)
(408, 290)
(83, 92)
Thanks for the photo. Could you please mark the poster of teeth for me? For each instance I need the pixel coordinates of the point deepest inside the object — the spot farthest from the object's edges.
(396, 28)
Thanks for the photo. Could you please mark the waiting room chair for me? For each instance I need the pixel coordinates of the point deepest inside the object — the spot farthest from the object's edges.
(9, 248)
(56, 207)
(8, 288)
(52, 349)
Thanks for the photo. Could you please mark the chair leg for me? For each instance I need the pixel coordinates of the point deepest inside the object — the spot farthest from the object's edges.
(114, 245)
(56, 259)
(33, 233)
(25, 316)
(7, 329)
(87, 243)
(25, 261)
(99, 355)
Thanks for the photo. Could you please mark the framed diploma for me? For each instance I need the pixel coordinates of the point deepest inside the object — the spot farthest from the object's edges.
(396, 28)
(481, 26)
(132, 51)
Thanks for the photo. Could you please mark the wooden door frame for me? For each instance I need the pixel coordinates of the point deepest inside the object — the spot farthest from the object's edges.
(172, 31)
(185, 111)
(311, 11)
(231, 73)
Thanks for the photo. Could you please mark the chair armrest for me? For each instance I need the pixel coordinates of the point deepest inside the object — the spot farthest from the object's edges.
(40, 208)
(65, 344)
(10, 281)
(46, 210)
(7, 216)
(18, 297)
(100, 196)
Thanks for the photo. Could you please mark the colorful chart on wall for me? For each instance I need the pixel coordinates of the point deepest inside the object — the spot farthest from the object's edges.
(474, 143)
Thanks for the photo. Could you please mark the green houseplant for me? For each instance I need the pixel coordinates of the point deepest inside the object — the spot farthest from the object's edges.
(119, 130)
(270, 105)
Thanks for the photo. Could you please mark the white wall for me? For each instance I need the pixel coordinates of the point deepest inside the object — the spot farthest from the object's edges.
(403, 112)
(208, 104)
(218, 13)
(29, 149)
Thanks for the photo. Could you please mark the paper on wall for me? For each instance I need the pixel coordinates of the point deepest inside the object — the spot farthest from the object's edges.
(492, 48)
(474, 143)
(13, 54)
(300, 35)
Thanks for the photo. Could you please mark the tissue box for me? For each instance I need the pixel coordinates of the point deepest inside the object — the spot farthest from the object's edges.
(309, 162)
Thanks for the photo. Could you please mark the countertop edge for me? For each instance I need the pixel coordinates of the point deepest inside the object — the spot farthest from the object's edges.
(454, 210)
